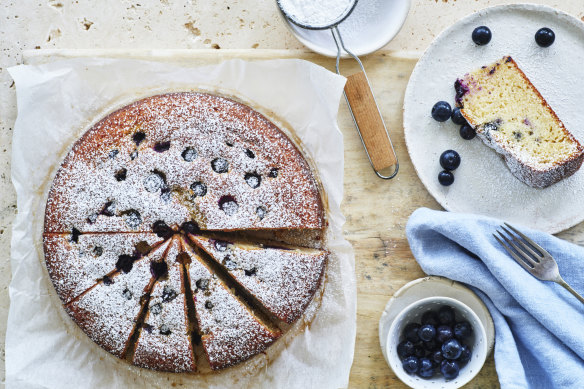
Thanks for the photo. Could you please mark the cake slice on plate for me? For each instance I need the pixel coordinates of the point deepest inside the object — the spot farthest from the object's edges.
(510, 116)
(282, 279)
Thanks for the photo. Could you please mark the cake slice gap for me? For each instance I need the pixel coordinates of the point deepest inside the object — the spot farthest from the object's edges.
(231, 332)
(510, 116)
(283, 279)
(164, 339)
(109, 311)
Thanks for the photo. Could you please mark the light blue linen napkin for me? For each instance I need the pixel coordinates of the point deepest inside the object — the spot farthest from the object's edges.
(539, 340)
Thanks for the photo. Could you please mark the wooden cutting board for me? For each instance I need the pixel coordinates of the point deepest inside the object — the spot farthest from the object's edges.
(376, 210)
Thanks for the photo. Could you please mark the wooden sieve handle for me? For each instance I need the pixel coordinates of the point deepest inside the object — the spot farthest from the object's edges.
(369, 121)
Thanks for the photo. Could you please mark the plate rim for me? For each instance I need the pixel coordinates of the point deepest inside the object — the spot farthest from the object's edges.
(554, 228)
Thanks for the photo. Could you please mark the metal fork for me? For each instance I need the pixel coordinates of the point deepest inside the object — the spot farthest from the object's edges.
(532, 257)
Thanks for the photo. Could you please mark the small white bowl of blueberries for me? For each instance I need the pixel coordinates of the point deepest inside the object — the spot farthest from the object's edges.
(436, 342)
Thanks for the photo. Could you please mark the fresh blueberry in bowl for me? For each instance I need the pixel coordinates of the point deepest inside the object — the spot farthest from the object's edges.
(446, 315)
(445, 178)
(437, 356)
(425, 368)
(467, 132)
(462, 330)
(545, 37)
(430, 317)
(449, 369)
(405, 349)
(411, 364)
(419, 350)
(431, 345)
(444, 333)
(457, 117)
(465, 355)
(411, 332)
(427, 332)
(481, 35)
(451, 349)
(450, 160)
(441, 111)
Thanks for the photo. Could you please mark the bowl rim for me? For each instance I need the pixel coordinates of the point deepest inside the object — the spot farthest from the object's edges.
(399, 317)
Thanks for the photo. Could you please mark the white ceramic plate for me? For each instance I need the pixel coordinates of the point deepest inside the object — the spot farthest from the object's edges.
(483, 184)
(430, 287)
(371, 25)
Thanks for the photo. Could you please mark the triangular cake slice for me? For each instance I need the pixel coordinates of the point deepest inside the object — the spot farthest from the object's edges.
(282, 279)
(107, 312)
(164, 342)
(510, 116)
(230, 331)
(75, 263)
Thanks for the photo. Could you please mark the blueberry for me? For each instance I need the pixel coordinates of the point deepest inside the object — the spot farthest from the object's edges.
(450, 160)
(457, 117)
(228, 204)
(121, 174)
(462, 330)
(132, 218)
(138, 137)
(161, 147)
(125, 263)
(249, 153)
(127, 294)
(220, 245)
(425, 368)
(164, 330)
(427, 332)
(261, 212)
(158, 269)
(251, 272)
(449, 369)
(446, 315)
(189, 227)
(481, 35)
(156, 309)
(405, 349)
(75, 233)
(444, 333)
(220, 165)
(545, 37)
(154, 181)
(451, 349)
(168, 294)
(253, 180)
(411, 332)
(230, 264)
(273, 172)
(441, 111)
(199, 189)
(467, 132)
(98, 251)
(419, 350)
(437, 356)
(465, 355)
(430, 317)
(162, 230)
(202, 284)
(208, 304)
(445, 178)
(189, 154)
(410, 364)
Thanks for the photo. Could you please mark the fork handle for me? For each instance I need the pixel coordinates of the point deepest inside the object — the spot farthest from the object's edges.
(569, 288)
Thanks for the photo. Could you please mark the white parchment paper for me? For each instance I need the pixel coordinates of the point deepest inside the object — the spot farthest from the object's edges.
(57, 101)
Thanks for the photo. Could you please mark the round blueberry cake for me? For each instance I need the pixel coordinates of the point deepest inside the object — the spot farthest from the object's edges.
(165, 233)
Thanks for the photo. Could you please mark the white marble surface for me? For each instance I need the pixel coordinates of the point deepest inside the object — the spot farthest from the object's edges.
(175, 24)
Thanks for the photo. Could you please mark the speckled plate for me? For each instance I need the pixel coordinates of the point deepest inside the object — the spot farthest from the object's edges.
(483, 183)
(429, 287)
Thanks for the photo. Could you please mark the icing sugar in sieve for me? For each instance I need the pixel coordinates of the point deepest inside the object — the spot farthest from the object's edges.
(316, 15)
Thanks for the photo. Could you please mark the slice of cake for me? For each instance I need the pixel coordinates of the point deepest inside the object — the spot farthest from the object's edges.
(230, 331)
(76, 264)
(510, 116)
(108, 312)
(164, 342)
(282, 279)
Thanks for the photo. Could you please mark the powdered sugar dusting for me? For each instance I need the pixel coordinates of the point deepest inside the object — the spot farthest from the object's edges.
(283, 280)
(89, 194)
(230, 332)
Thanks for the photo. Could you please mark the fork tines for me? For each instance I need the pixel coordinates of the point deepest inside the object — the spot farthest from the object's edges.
(524, 250)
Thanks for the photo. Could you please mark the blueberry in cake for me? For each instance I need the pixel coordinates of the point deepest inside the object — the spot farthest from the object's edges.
(510, 116)
(131, 226)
